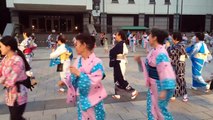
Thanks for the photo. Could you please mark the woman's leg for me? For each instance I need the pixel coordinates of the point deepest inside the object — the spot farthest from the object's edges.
(17, 111)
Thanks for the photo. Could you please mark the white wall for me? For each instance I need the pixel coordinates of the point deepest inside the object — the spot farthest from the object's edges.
(9, 3)
(87, 3)
(196, 7)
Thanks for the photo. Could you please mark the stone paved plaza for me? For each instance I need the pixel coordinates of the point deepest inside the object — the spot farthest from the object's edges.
(46, 104)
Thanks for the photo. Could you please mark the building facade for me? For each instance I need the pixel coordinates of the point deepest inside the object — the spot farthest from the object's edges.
(50, 16)
(109, 15)
(172, 15)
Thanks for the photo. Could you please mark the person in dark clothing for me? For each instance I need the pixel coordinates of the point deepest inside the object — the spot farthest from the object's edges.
(118, 61)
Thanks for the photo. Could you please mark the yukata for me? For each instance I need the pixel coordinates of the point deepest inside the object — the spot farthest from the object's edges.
(118, 61)
(63, 54)
(159, 76)
(178, 55)
(198, 54)
(87, 89)
(144, 41)
(27, 46)
(11, 72)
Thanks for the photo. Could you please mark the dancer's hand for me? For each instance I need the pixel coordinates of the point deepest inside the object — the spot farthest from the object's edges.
(53, 49)
(162, 95)
(75, 71)
(61, 83)
(137, 58)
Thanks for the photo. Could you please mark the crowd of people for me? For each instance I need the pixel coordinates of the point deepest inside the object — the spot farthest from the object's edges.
(163, 69)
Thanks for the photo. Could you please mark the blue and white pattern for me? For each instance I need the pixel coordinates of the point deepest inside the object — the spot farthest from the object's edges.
(83, 84)
(198, 55)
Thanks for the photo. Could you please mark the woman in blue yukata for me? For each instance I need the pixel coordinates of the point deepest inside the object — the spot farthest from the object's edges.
(84, 83)
(199, 54)
(159, 76)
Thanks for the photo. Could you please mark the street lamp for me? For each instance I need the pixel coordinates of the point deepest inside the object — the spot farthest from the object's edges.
(154, 3)
(181, 18)
(168, 14)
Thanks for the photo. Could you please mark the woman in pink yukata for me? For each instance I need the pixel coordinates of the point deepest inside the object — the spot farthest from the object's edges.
(13, 69)
(85, 80)
(160, 77)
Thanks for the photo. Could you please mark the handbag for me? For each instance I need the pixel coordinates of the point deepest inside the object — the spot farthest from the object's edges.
(59, 67)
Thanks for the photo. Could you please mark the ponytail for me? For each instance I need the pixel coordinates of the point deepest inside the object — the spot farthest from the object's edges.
(27, 66)
(10, 41)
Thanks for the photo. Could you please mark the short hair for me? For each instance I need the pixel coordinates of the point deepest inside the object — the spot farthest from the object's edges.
(177, 36)
(200, 36)
(62, 38)
(160, 34)
(87, 39)
(28, 33)
(122, 34)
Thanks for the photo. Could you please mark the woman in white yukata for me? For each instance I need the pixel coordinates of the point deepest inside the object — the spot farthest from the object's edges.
(64, 55)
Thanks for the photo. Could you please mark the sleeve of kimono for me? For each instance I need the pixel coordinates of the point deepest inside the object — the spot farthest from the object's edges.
(0, 69)
(193, 49)
(2, 78)
(165, 72)
(74, 80)
(94, 78)
(125, 49)
(13, 72)
(171, 52)
(57, 52)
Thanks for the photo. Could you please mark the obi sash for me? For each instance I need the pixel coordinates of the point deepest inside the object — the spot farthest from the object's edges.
(152, 71)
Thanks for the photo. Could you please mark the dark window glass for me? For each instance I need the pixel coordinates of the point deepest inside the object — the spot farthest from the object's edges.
(41, 23)
(48, 25)
(69, 25)
(152, 2)
(114, 1)
(167, 2)
(131, 1)
(63, 25)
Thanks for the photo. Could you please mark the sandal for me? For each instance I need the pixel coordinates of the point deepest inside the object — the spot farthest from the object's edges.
(134, 95)
(172, 98)
(185, 99)
(117, 97)
(61, 90)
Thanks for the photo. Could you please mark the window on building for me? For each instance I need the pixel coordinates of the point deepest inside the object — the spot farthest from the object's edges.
(114, 1)
(151, 1)
(131, 1)
(167, 2)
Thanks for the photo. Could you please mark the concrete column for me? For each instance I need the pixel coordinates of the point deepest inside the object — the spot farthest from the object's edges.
(15, 20)
(208, 22)
(14, 17)
(104, 22)
(176, 22)
(141, 19)
(86, 18)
